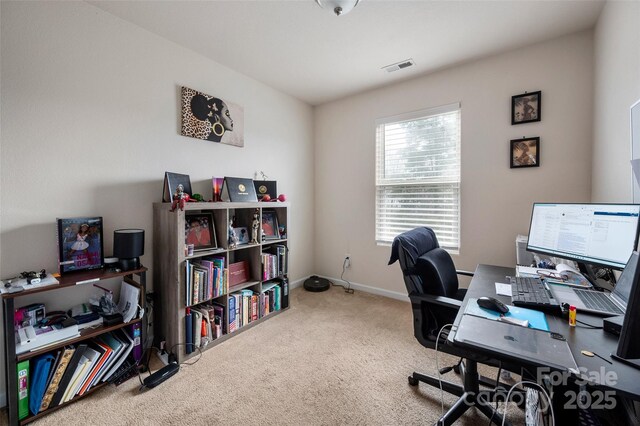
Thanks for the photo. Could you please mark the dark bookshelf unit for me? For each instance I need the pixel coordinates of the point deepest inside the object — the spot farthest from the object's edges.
(170, 266)
(71, 279)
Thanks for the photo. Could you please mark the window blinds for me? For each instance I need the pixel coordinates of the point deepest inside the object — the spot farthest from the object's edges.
(418, 174)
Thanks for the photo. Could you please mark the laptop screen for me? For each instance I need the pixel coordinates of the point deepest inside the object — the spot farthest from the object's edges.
(622, 289)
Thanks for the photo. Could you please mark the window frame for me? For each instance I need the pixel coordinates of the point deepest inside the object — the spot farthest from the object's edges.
(424, 182)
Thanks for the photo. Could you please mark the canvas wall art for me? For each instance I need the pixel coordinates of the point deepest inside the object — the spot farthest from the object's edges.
(212, 119)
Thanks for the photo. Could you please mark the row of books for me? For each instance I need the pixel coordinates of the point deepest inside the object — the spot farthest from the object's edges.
(247, 306)
(203, 325)
(57, 377)
(205, 279)
(274, 264)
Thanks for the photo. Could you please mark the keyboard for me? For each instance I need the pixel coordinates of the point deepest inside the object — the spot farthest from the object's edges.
(597, 301)
(532, 293)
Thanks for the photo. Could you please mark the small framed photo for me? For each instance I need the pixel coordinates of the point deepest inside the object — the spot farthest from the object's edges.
(242, 234)
(199, 230)
(525, 152)
(526, 108)
(80, 244)
(270, 225)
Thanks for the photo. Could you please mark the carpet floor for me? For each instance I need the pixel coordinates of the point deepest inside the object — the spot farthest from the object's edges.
(331, 359)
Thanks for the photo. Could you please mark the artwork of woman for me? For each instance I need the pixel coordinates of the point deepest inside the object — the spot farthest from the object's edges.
(211, 118)
(215, 112)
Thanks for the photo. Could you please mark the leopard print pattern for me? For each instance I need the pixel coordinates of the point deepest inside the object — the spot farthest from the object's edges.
(191, 126)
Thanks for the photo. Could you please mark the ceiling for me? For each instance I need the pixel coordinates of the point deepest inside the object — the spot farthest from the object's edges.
(300, 49)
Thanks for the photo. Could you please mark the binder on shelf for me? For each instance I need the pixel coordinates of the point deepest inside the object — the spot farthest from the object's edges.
(126, 345)
(23, 389)
(188, 332)
(61, 368)
(68, 374)
(135, 331)
(42, 365)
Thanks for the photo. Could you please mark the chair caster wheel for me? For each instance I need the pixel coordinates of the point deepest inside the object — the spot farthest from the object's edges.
(456, 369)
(413, 381)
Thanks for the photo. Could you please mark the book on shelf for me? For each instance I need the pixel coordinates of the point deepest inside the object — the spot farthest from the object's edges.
(197, 321)
(219, 309)
(238, 273)
(188, 331)
(103, 354)
(233, 321)
(81, 371)
(54, 383)
(205, 279)
(127, 345)
(23, 389)
(68, 374)
(238, 189)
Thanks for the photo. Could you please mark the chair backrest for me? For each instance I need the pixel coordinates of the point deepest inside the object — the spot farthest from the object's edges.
(426, 268)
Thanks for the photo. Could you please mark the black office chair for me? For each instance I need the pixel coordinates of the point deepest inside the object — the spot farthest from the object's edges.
(432, 283)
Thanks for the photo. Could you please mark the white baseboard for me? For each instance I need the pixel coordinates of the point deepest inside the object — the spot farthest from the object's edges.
(297, 283)
(373, 290)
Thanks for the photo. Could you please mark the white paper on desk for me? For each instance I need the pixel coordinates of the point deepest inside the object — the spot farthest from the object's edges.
(526, 271)
(503, 289)
(128, 302)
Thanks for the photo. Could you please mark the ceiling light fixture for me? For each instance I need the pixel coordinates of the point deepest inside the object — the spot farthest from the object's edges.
(339, 7)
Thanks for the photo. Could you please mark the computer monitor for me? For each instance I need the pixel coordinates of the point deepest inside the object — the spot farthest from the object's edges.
(594, 234)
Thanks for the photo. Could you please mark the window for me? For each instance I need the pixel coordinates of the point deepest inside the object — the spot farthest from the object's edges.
(418, 174)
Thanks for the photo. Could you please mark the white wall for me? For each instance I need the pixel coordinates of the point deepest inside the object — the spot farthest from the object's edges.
(90, 123)
(616, 88)
(496, 201)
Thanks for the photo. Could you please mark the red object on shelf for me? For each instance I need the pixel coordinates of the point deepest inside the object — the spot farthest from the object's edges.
(238, 273)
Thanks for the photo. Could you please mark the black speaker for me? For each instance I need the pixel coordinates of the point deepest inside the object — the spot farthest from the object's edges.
(128, 246)
(629, 344)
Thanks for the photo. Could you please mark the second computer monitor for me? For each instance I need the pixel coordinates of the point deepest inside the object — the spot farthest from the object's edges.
(597, 234)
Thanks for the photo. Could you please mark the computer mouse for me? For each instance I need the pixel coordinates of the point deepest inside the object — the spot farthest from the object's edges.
(492, 304)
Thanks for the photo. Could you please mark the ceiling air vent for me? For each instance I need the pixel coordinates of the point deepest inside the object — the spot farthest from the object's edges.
(399, 65)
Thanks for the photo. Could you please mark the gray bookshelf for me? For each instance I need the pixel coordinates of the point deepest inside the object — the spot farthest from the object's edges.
(169, 258)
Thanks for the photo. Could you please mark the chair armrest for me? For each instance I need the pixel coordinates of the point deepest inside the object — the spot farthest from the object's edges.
(447, 302)
(466, 273)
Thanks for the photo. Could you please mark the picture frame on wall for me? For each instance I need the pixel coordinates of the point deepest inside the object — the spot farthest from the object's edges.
(526, 108)
(524, 152)
(199, 230)
(270, 225)
(80, 244)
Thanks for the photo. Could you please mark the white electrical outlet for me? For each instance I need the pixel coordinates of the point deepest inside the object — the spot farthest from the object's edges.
(347, 261)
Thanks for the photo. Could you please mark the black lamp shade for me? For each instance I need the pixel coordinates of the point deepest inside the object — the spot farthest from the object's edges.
(128, 244)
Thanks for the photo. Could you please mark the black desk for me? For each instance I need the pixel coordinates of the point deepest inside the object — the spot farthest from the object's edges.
(627, 382)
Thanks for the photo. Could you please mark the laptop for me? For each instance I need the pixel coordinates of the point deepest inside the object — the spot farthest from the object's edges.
(536, 346)
(597, 302)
